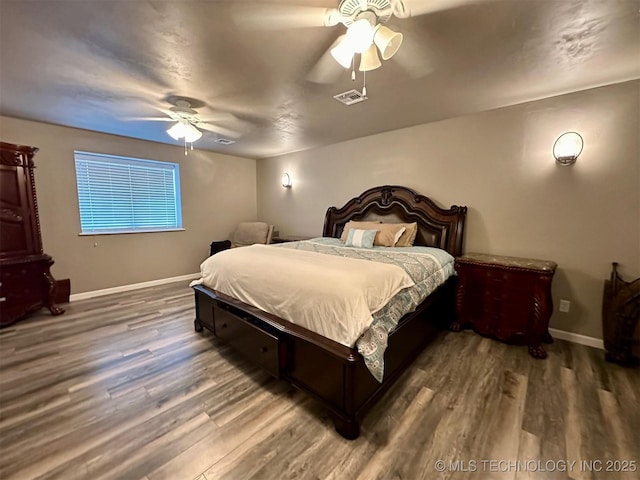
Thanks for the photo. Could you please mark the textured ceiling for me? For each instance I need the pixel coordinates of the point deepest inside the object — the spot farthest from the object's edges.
(99, 64)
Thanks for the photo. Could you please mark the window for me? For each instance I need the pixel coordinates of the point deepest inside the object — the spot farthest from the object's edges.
(127, 195)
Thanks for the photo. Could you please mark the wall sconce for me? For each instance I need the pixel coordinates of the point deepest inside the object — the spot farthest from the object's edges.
(286, 180)
(567, 148)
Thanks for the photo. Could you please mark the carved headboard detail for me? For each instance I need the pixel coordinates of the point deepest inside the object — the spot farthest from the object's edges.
(437, 227)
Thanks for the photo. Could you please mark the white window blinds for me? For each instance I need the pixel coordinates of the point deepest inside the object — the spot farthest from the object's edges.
(126, 195)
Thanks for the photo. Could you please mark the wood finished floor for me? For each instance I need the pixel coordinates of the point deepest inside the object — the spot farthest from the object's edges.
(122, 387)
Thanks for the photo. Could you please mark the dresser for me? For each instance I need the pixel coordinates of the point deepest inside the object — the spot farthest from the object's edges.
(26, 284)
(507, 298)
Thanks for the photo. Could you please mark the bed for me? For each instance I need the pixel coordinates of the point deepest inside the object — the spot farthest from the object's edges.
(335, 374)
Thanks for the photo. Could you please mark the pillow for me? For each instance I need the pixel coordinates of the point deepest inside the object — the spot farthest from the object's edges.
(387, 236)
(360, 238)
(409, 235)
(360, 225)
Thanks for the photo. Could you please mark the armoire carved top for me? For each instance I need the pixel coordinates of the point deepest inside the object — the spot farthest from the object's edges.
(17, 155)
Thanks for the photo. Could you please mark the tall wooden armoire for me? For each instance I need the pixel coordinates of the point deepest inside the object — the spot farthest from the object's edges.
(26, 284)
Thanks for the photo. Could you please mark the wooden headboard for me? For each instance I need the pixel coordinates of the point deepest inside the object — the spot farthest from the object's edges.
(437, 227)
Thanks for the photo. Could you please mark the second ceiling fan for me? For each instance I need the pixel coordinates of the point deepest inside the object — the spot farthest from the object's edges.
(188, 123)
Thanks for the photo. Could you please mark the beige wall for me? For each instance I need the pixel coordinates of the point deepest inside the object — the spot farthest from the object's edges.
(500, 165)
(218, 191)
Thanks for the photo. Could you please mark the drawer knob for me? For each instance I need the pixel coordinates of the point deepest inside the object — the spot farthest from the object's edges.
(264, 349)
(224, 325)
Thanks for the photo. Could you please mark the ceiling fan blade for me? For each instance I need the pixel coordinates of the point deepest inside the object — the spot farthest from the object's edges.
(279, 17)
(225, 132)
(413, 8)
(151, 119)
(326, 69)
(217, 116)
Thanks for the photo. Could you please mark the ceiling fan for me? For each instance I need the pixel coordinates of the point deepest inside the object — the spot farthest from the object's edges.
(366, 34)
(187, 123)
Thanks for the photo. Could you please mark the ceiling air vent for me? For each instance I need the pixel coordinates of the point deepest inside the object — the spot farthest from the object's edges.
(225, 141)
(350, 97)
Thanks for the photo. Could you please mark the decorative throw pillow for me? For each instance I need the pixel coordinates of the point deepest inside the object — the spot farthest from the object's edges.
(360, 225)
(360, 238)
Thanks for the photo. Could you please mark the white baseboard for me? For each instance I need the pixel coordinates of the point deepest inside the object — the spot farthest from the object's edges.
(577, 338)
(560, 334)
(134, 286)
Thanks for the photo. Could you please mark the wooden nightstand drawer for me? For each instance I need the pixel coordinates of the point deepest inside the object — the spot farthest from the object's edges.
(240, 331)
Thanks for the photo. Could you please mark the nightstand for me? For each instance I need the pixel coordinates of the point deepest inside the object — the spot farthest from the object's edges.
(507, 298)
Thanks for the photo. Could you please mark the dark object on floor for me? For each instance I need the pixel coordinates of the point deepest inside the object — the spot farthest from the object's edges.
(621, 320)
(63, 290)
(216, 247)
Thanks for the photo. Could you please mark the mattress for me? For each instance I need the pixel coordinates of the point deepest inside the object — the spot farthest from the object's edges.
(354, 296)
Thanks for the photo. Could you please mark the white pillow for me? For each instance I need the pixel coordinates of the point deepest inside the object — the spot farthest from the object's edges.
(361, 238)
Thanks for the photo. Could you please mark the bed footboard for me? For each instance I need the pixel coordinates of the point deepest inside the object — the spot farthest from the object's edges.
(332, 373)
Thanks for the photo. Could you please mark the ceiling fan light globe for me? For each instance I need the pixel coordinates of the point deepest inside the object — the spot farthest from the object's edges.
(360, 35)
(369, 60)
(343, 53)
(192, 134)
(177, 131)
(387, 41)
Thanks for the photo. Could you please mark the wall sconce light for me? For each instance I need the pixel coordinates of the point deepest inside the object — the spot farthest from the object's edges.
(286, 180)
(567, 148)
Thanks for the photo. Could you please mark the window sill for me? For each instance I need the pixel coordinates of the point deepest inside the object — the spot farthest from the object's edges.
(82, 234)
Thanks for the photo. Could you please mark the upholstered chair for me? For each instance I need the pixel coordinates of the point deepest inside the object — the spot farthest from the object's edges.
(246, 233)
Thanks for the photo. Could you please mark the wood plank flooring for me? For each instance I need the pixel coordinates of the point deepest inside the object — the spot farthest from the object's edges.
(122, 387)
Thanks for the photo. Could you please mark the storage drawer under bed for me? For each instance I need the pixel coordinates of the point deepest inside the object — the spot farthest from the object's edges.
(244, 334)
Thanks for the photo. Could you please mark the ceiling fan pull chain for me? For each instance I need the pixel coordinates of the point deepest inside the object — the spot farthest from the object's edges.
(364, 84)
(185, 147)
(353, 68)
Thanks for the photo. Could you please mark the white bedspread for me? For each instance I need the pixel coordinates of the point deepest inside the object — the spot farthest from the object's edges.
(333, 296)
